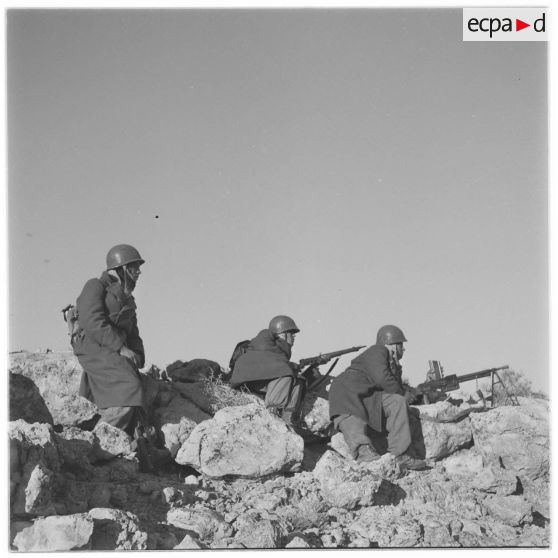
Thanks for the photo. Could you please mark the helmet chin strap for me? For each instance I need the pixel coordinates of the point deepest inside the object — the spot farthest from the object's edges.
(392, 349)
(124, 277)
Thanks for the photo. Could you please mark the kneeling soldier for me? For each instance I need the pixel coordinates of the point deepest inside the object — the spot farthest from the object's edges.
(371, 391)
(265, 368)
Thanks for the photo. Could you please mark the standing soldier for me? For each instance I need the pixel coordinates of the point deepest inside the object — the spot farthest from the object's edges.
(107, 344)
(371, 391)
(265, 368)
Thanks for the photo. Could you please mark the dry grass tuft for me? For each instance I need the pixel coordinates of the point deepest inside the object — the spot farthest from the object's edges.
(220, 394)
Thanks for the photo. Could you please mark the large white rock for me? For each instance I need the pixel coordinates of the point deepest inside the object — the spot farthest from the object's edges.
(518, 436)
(511, 510)
(315, 413)
(206, 523)
(347, 484)
(257, 530)
(244, 441)
(387, 527)
(113, 440)
(57, 377)
(34, 462)
(57, 532)
(444, 438)
(176, 433)
(440, 439)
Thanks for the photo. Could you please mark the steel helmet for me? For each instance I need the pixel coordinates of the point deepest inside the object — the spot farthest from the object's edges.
(282, 324)
(389, 334)
(122, 254)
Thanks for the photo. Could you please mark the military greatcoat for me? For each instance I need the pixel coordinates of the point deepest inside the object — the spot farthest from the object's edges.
(358, 390)
(266, 358)
(107, 318)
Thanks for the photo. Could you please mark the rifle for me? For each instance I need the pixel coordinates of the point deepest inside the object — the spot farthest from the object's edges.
(451, 382)
(313, 362)
(326, 357)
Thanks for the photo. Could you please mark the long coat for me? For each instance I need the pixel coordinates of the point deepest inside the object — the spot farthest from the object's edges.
(107, 318)
(266, 358)
(358, 390)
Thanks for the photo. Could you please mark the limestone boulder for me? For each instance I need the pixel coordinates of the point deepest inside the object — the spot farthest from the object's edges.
(518, 436)
(243, 441)
(48, 534)
(444, 438)
(387, 527)
(116, 530)
(257, 530)
(436, 490)
(112, 440)
(347, 484)
(206, 523)
(497, 480)
(176, 433)
(315, 413)
(511, 510)
(57, 376)
(464, 463)
(34, 465)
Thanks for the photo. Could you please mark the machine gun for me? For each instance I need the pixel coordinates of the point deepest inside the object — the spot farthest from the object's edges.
(438, 384)
(312, 362)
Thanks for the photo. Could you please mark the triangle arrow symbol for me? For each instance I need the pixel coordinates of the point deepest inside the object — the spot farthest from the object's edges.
(519, 25)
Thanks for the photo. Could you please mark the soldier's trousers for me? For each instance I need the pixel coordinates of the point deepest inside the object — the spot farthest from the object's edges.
(124, 418)
(395, 410)
(281, 394)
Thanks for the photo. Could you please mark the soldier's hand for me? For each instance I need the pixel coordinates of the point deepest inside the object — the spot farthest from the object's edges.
(322, 360)
(410, 396)
(130, 355)
(296, 368)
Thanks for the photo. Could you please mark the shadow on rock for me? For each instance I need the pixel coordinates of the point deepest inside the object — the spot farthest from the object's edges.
(389, 494)
(26, 401)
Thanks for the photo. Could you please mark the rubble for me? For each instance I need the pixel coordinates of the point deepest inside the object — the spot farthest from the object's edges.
(243, 479)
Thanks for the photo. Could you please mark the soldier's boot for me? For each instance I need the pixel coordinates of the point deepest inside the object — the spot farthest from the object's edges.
(143, 453)
(291, 417)
(366, 453)
(354, 431)
(406, 461)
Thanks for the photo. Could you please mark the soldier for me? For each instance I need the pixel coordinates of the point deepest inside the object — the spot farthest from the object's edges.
(107, 344)
(369, 392)
(265, 368)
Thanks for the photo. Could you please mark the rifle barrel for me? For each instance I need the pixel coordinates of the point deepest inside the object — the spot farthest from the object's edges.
(480, 374)
(329, 356)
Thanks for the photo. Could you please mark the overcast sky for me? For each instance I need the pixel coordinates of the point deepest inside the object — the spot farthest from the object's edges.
(349, 168)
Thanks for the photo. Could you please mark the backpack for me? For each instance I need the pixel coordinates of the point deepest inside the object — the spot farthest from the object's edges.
(239, 350)
(70, 314)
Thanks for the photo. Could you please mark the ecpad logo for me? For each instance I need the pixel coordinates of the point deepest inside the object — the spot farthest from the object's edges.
(505, 24)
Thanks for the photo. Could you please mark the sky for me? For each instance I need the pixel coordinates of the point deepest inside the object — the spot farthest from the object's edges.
(349, 168)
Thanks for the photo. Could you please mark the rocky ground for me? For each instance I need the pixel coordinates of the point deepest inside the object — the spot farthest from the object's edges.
(240, 478)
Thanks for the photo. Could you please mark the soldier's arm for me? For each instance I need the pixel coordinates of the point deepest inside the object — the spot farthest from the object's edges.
(381, 374)
(93, 318)
(135, 343)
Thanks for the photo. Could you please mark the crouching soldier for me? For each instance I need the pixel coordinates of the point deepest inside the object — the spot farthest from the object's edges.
(110, 350)
(265, 368)
(370, 393)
